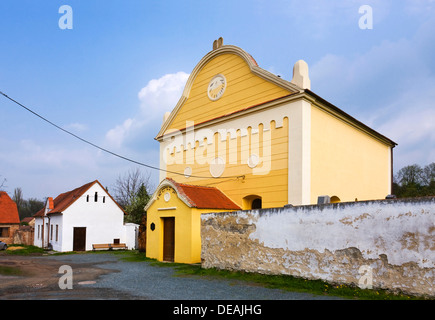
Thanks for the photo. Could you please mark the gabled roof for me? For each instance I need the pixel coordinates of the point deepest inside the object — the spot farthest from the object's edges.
(198, 196)
(269, 77)
(294, 92)
(64, 200)
(8, 210)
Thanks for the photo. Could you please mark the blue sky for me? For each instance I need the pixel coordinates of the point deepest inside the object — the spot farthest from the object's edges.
(112, 76)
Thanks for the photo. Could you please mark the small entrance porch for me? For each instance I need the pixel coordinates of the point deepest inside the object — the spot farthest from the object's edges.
(173, 231)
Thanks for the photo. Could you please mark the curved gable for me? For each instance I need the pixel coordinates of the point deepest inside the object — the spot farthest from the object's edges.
(194, 196)
(246, 85)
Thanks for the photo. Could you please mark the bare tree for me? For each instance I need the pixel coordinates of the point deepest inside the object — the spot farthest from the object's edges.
(26, 208)
(127, 186)
(429, 174)
(18, 198)
(2, 183)
(412, 174)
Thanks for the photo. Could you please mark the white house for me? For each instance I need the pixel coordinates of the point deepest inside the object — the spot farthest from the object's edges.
(78, 219)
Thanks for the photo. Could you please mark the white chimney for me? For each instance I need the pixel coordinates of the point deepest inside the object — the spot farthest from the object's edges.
(165, 117)
(300, 75)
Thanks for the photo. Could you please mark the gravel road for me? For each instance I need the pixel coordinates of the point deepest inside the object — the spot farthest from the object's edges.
(121, 280)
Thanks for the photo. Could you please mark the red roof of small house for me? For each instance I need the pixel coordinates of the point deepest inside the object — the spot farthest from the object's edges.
(27, 219)
(8, 210)
(204, 197)
(64, 200)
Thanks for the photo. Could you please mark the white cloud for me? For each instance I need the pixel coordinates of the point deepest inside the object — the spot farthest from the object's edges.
(157, 97)
(390, 88)
(411, 123)
(118, 134)
(161, 95)
(79, 127)
(382, 71)
(419, 7)
(51, 166)
(320, 19)
(52, 157)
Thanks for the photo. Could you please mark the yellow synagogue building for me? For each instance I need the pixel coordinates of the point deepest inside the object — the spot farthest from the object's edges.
(243, 138)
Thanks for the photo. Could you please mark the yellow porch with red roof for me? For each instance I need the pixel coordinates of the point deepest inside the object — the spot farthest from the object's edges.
(174, 220)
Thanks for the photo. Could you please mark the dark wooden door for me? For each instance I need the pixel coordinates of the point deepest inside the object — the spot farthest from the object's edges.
(168, 239)
(142, 237)
(79, 240)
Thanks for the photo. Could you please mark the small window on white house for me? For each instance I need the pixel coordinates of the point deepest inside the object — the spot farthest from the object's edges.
(104, 199)
(87, 198)
(96, 196)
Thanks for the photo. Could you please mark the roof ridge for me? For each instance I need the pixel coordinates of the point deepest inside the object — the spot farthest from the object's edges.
(74, 194)
(197, 186)
(196, 199)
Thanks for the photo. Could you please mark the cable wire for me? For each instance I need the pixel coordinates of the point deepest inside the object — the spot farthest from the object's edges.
(105, 150)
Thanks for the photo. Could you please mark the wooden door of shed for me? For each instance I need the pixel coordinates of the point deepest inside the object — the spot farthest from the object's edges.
(168, 239)
(79, 240)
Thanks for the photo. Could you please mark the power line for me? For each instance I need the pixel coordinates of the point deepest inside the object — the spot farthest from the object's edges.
(105, 150)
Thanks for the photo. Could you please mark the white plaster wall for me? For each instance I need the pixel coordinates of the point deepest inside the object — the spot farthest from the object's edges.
(396, 238)
(56, 220)
(44, 231)
(37, 238)
(103, 221)
(403, 231)
(131, 235)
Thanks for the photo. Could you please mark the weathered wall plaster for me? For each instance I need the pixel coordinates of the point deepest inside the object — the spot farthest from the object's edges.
(395, 238)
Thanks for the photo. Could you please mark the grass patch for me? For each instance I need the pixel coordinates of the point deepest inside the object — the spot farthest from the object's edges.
(294, 284)
(20, 249)
(10, 271)
(283, 282)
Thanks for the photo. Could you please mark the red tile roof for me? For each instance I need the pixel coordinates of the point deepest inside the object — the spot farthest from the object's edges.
(204, 197)
(8, 210)
(27, 219)
(64, 200)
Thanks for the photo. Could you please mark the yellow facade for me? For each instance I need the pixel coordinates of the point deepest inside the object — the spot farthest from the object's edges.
(305, 147)
(242, 182)
(347, 163)
(169, 201)
(264, 142)
(244, 89)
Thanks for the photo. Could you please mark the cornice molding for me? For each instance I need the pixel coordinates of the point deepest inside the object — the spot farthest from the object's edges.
(171, 184)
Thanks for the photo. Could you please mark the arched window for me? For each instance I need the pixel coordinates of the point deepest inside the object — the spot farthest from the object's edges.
(335, 199)
(252, 202)
(256, 203)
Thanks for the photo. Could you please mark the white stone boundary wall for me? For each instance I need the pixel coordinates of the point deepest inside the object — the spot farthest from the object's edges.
(387, 244)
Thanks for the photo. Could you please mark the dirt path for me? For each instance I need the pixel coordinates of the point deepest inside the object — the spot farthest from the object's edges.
(38, 278)
(107, 276)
